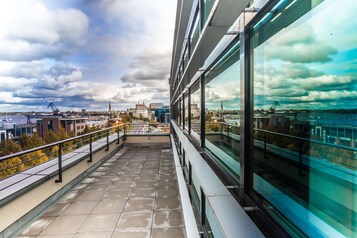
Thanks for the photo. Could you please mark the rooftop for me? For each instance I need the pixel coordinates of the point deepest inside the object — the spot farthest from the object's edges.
(133, 194)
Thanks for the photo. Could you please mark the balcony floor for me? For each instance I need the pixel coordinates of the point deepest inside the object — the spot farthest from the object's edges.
(131, 195)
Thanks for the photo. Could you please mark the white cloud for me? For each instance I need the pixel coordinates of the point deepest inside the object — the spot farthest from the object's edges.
(31, 31)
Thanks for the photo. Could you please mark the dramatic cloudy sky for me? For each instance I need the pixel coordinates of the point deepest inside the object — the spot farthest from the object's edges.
(84, 53)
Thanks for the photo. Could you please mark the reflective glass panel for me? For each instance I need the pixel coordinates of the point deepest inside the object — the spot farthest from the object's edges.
(305, 115)
(186, 111)
(222, 102)
(195, 111)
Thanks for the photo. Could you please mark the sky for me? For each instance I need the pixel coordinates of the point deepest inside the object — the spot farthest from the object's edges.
(84, 53)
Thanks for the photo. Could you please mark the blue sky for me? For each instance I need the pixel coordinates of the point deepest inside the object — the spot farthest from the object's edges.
(84, 53)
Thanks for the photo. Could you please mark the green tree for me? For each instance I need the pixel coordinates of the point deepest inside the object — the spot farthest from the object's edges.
(50, 137)
(29, 142)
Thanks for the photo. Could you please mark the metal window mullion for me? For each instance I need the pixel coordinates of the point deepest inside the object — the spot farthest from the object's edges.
(246, 85)
(203, 112)
(189, 111)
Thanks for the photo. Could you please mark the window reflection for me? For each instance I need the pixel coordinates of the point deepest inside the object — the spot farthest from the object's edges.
(196, 111)
(222, 101)
(305, 104)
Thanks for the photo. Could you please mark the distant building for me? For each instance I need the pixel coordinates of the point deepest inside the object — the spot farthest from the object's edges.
(77, 125)
(141, 110)
(155, 105)
(160, 113)
(14, 131)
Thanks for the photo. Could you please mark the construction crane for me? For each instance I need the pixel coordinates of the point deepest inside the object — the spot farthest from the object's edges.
(55, 110)
(273, 107)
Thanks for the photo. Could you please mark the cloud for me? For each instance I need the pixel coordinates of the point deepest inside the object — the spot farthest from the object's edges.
(31, 31)
(303, 47)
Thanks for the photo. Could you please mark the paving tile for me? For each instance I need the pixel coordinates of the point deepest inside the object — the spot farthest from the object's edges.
(56, 209)
(165, 183)
(168, 232)
(137, 233)
(110, 206)
(90, 196)
(139, 205)
(64, 225)
(104, 234)
(143, 193)
(145, 184)
(134, 221)
(71, 196)
(167, 192)
(123, 184)
(37, 226)
(147, 177)
(80, 208)
(167, 219)
(56, 236)
(114, 193)
(100, 222)
(167, 203)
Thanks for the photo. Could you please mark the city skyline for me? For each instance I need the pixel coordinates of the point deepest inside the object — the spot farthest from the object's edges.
(82, 54)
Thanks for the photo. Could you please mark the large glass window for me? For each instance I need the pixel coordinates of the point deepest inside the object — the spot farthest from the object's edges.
(305, 113)
(222, 102)
(196, 111)
(195, 33)
(186, 111)
(206, 9)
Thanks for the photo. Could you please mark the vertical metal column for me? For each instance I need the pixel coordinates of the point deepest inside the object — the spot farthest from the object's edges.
(59, 180)
(203, 111)
(246, 120)
(189, 111)
(107, 140)
(118, 139)
(90, 149)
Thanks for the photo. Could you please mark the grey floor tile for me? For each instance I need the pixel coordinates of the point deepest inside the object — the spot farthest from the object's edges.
(37, 226)
(167, 219)
(167, 192)
(114, 193)
(145, 184)
(64, 225)
(56, 209)
(143, 193)
(104, 234)
(56, 236)
(109, 206)
(167, 203)
(139, 205)
(100, 222)
(90, 196)
(134, 221)
(123, 184)
(80, 208)
(137, 233)
(168, 232)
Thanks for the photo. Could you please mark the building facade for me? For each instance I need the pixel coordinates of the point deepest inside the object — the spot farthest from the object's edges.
(263, 96)
(55, 124)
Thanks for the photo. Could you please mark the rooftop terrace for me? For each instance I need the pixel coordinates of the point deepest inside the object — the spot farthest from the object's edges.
(133, 194)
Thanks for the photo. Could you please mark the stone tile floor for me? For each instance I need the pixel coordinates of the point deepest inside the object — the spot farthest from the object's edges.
(131, 195)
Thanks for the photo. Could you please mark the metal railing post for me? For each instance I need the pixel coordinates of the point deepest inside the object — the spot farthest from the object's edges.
(107, 140)
(124, 131)
(118, 139)
(90, 149)
(265, 145)
(59, 180)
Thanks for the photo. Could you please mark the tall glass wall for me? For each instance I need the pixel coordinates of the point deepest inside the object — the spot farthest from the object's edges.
(222, 101)
(206, 9)
(186, 110)
(195, 111)
(305, 113)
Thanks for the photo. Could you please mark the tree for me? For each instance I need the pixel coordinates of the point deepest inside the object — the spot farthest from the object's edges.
(29, 142)
(10, 166)
(35, 158)
(50, 137)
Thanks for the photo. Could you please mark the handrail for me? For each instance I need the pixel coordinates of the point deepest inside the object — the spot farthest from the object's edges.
(307, 140)
(6, 157)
